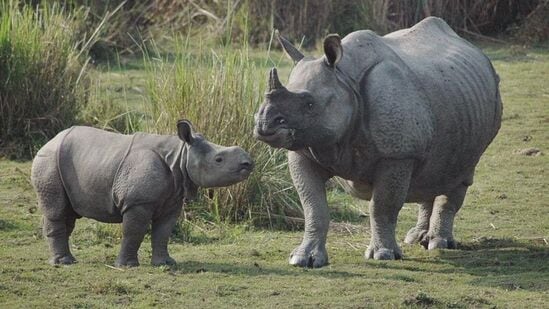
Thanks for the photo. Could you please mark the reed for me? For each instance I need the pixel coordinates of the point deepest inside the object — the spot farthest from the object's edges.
(219, 90)
(42, 80)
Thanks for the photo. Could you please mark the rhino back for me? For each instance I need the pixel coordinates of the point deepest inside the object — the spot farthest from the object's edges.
(455, 82)
(463, 90)
(457, 76)
(88, 160)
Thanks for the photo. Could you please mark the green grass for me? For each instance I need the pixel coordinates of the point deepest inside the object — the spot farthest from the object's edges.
(502, 229)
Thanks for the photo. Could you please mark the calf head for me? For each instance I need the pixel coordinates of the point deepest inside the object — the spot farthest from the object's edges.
(210, 165)
(314, 109)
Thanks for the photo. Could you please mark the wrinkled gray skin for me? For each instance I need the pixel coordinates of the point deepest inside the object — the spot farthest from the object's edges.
(401, 118)
(133, 179)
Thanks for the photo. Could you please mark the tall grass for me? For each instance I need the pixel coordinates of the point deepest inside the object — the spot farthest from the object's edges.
(41, 78)
(219, 90)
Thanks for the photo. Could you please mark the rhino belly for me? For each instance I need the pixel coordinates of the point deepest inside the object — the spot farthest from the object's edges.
(88, 160)
(467, 108)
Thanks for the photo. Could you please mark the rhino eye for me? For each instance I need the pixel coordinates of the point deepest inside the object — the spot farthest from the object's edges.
(219, 159)
(310, 105)
(280, 120)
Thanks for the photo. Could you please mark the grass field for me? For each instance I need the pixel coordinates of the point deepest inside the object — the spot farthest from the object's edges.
(503, 233)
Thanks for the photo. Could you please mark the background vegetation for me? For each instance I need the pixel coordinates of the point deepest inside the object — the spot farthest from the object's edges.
(42, 81)
(219, 91)
(308, 21)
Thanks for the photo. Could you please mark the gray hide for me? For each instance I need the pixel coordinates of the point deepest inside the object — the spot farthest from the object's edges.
(402, 118)
(134, 179)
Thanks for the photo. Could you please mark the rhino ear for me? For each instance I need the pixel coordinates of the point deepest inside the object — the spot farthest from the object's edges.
(185, 131)
(333, 49)
(290, 50)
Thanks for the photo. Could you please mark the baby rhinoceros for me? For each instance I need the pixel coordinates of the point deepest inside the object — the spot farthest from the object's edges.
(133, 179)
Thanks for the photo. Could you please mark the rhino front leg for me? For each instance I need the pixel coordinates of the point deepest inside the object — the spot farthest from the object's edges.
(391, 186)
(161, 230)
(135, 221)
(309, 180)
(418, 232)
(441, 225)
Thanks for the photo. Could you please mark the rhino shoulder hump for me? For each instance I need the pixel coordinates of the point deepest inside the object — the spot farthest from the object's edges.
(143, 177)
(400, 118)
(430, 27)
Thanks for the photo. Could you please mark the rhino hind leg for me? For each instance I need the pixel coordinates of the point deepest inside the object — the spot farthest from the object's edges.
(418, 232)
(57, 229)
(58, 216)
(441, 224)
(58, 234)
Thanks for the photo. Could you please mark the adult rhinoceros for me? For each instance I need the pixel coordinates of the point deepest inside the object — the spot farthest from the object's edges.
(402, 118)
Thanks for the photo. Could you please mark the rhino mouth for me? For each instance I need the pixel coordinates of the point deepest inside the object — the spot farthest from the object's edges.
(244, 172)
(279, 138)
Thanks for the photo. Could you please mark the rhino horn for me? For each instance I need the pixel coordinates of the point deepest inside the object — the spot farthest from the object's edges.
(290, 50)
(274, 82)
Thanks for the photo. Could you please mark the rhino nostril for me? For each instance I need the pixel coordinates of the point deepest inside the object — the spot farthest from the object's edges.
(246, 164)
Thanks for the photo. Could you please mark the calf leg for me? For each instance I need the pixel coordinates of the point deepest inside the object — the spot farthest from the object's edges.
(58, 216)
(57, 235)
(391, 186)
(161, 230)
(70, 222)
(441, 225)
(418, 232)
(57, 229)
(135, 221)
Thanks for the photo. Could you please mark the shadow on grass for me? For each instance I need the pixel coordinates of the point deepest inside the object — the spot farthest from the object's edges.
(256, 269)
(503, 263)
(6, 225)
(500, 263)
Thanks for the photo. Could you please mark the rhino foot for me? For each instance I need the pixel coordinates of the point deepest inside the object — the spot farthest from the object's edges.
(67, 259)
(160, 261)
(309, 256)
(431, 243)
(383, 254)
(415, 235)
(126, 262)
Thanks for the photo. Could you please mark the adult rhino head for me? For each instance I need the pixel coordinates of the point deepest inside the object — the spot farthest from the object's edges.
(210, 165)
(314, 108)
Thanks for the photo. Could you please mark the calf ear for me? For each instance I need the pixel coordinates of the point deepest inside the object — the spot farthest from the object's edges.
(333, 49)
(290, 50)
(185, 131)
